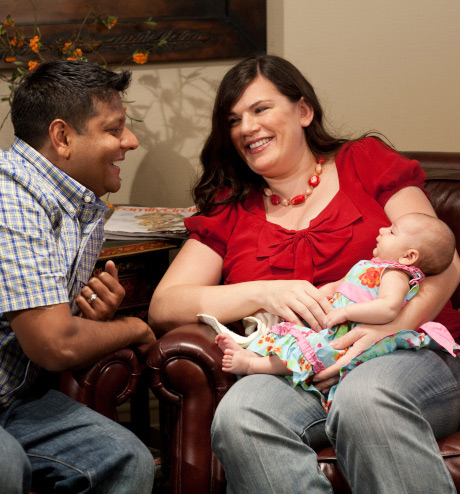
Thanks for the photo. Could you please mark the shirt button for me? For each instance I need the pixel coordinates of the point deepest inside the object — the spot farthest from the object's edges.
(87, 199)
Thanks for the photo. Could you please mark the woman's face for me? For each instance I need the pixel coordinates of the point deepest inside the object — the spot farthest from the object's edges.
(266, 129)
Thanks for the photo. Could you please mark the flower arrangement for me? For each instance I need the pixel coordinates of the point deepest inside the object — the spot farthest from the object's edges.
(25, 52)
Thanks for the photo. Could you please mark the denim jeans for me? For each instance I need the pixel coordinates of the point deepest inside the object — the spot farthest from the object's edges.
(384, 421)
(54, 444)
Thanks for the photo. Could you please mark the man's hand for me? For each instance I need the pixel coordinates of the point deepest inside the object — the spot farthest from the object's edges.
(142, 348)
(100, 298)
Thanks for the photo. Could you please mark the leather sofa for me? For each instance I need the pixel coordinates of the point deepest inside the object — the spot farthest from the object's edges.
(105, 385)
(186, 376)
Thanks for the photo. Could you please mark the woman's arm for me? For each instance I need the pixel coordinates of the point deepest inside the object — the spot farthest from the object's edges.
(434, 292)
(191, 286)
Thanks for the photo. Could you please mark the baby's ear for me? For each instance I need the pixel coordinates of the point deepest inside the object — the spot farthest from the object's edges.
(410, 258)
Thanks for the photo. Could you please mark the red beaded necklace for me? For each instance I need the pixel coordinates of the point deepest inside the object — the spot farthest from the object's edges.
(313, 182)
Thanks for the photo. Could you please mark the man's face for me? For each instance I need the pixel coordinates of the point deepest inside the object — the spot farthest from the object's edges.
(104, 141)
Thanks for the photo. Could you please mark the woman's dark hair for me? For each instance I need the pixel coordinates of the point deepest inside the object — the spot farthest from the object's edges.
(222, 166)
(62, 89)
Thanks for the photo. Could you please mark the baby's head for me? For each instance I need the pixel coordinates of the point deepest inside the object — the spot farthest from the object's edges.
(417, 239)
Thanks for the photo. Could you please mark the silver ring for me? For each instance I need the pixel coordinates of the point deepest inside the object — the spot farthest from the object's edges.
(91, 299)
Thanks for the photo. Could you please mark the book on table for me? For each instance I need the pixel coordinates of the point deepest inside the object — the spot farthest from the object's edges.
(128, 222)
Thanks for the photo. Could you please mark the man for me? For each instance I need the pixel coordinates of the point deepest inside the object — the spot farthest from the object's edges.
(69, 126)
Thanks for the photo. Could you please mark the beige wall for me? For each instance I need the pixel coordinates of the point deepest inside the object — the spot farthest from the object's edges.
(392, 66)
(388, 65)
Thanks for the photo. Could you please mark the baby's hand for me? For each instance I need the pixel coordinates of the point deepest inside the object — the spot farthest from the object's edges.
(335, 316)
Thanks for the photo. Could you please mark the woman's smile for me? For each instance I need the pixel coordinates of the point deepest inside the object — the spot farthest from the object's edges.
(259, 145)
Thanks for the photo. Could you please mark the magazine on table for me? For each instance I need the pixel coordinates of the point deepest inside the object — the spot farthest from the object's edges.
(128, 222)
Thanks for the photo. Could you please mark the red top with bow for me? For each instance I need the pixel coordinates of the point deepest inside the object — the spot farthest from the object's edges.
(343, 233)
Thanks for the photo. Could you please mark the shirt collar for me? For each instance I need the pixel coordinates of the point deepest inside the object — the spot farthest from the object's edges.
(70, 193)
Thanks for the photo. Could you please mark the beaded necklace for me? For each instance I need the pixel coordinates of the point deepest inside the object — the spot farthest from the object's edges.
(313, 182)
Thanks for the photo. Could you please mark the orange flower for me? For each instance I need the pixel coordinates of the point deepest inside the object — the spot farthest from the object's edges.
(140, 58)
(340, 353)
(10, 59)
(35, 44)
(67, 47)
(33, 65)
(9, 21)
(371, 277)
(76, 54)
(17, 42)
(112, 22)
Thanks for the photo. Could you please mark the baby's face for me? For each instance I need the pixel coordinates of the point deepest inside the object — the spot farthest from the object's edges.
(394, 241)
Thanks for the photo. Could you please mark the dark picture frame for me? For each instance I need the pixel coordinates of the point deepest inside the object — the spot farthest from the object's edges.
(193, 29)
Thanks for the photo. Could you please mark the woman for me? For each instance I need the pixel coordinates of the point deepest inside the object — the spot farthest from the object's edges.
(253, 249)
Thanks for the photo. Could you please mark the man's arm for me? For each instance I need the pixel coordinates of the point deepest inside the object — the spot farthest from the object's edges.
(57, 341)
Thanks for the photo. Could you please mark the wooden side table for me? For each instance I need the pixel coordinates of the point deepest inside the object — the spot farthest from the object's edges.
(141, 265)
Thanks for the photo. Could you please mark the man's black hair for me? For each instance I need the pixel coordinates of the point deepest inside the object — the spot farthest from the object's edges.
(64, 89)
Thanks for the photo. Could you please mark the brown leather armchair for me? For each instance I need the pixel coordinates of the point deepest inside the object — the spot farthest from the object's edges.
(105, 385)
(186, 375)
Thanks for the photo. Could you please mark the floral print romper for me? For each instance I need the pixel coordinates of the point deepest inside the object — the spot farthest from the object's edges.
(306, 352)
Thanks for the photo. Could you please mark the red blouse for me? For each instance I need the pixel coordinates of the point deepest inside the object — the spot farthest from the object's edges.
(342, 234)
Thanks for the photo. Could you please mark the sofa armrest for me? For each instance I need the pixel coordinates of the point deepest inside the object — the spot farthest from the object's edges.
(106, 384)
(443, 185)
(186, 376)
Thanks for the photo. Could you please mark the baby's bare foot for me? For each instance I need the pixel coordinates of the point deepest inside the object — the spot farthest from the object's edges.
(236, 362)
(226, 342)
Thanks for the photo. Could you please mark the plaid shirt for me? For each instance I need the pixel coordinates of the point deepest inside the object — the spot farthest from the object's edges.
(50, 238)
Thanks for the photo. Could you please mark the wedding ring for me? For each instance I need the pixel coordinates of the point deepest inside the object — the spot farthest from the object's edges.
(91, 299)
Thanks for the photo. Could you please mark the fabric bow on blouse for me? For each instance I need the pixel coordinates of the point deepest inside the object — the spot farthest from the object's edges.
(305, 249)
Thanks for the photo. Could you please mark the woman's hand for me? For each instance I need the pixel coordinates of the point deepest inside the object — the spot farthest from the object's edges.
(330, 288)
(296, 300)
(356, 341)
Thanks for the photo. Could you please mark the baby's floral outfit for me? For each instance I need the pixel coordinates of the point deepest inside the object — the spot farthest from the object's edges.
(306, 352)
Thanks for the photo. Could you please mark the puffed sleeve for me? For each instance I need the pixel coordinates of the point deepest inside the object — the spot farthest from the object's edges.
(213, 230)
(382, 171)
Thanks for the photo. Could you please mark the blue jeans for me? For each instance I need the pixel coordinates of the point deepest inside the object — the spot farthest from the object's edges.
(54, 444)
(383, 424)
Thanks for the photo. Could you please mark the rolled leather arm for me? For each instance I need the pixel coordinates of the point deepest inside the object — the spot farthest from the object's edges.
(106, 384)
(185, 367)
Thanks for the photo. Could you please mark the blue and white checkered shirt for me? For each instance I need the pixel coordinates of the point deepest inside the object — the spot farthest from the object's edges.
(50, 236)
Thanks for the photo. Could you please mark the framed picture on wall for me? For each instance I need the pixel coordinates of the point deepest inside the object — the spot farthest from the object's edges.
(166, 30)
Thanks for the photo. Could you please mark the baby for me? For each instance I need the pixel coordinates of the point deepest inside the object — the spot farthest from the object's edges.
(372, 292)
